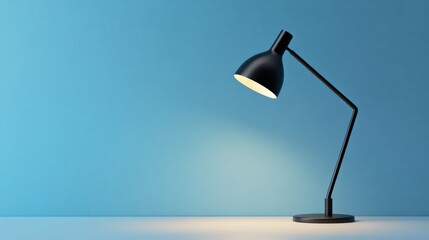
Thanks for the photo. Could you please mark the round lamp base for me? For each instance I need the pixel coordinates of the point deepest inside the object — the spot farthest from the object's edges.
(321, 218)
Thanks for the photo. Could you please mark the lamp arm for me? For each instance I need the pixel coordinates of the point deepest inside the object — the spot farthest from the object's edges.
(328, 199)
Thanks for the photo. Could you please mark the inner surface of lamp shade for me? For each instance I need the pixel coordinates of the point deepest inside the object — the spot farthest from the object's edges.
(255, 86)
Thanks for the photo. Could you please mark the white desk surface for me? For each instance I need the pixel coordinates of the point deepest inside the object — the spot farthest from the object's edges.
(207, 228)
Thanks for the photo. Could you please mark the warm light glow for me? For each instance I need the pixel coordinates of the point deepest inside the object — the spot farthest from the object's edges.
(272, 228)
(255, 86)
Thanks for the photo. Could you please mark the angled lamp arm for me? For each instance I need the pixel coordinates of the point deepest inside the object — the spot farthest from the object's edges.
(328, 199)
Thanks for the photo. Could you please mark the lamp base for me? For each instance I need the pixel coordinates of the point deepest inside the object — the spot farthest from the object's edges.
(321, 218)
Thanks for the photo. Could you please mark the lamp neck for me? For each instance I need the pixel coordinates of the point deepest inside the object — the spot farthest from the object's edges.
(281, 43)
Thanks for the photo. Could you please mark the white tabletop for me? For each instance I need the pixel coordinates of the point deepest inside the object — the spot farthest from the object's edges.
(206, 228)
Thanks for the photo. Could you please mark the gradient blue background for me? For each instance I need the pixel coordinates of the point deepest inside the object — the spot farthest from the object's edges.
(130, 108)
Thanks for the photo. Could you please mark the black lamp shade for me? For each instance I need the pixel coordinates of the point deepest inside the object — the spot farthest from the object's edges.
(263, 72)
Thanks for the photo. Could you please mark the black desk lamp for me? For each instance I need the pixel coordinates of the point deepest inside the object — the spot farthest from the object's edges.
(263, 73)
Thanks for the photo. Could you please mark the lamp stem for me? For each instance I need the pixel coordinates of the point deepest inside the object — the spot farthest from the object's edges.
(328, 199)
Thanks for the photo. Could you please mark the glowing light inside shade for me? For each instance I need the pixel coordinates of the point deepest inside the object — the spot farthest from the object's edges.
(255, 86)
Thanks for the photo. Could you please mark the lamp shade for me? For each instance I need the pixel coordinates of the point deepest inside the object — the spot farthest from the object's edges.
(263, 73)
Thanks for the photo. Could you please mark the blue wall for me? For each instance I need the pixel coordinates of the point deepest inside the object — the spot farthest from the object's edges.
(130, 108)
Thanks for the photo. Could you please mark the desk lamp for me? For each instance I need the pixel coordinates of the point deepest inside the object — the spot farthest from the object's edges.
(263, 73)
